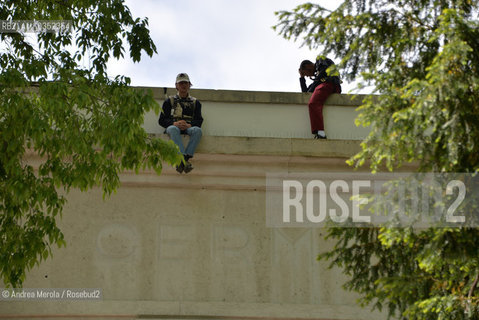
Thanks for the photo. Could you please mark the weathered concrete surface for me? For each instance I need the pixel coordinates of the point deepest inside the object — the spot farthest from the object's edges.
(267, 114)
(197, 246)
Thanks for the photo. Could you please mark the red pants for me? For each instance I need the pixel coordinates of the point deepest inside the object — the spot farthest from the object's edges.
(316, 102)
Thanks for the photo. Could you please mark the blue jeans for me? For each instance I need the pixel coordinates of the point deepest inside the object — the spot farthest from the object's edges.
(195, 134)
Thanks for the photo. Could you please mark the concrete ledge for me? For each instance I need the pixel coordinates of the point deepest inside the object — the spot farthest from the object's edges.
(176, 310)
(276, 146)
(233, 96)
(232, 113)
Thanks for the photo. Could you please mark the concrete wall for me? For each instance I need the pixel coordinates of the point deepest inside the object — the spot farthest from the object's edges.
(268, 114)
(196, 246)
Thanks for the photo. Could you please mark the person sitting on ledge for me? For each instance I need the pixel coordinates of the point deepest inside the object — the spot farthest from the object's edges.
(322, 87)
(181, 114)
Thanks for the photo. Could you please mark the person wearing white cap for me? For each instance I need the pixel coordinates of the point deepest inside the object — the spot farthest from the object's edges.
(181, 114)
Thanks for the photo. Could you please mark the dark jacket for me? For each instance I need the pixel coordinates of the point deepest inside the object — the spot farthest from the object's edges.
(316, 82)
(311, 87)
(320, 76)
(188, 109)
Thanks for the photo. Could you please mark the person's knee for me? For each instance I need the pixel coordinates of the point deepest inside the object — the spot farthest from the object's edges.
(172, 130)
(196, 131)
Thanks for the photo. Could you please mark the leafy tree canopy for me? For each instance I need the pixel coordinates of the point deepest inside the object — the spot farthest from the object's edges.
(422, 57)
(85, 127)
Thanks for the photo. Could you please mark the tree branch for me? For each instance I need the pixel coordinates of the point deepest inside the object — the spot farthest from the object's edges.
(471, 292)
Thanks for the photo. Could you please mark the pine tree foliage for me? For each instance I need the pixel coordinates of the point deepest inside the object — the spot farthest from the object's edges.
(422, 58)
(80, 127)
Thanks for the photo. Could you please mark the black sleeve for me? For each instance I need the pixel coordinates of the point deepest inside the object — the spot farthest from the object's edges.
(313, 85)
(302, 82)
(166, 119)
(197, 117)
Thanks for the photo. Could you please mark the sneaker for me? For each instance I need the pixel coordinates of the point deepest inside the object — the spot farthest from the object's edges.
(188, 167)
(317, 136)
(180, 168)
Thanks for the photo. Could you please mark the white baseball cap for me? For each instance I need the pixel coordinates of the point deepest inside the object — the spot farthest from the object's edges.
(182, 77)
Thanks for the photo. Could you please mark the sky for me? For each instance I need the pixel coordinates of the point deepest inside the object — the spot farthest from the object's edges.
(221, 44)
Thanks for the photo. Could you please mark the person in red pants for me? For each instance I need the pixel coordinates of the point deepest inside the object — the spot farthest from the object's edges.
(322, 87)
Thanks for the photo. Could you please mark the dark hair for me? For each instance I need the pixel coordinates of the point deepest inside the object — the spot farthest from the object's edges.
(304, 63)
